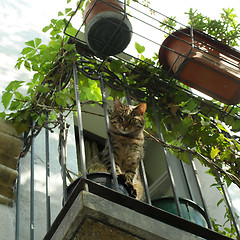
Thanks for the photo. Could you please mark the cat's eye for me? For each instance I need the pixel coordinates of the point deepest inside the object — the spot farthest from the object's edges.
(133, 120)
(120, 119)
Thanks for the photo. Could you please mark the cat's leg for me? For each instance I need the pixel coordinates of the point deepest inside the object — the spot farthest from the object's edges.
(127, 178)
(96, 165)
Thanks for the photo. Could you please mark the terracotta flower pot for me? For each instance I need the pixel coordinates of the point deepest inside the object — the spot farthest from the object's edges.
(108, 31)
(209, 66)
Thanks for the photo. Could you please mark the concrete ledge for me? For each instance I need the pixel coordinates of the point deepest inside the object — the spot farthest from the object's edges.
(10, 148)
(6, 191)
(6, 201)
(93, 217)
(10, 145)
(7, 176)
(7, 128)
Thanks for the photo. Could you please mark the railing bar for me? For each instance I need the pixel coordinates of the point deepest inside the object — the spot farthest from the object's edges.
(151, 9)
(62, 153)
(32, 186)
(229, 205)
(48, 206)
(200, 193)
(113, 165)
(141, 165)
(186, 180)
(80, 125)
(17, 233)
(176, 198)
(145, 182)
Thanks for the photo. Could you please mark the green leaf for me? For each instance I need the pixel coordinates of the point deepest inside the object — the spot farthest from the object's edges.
(60, 14)
(117, 66)
(6, 98)
(184, 157)
(30, 43)
(27, 65)
(139, 48)
(21, 127)
(219, 202)
(45, 29)
(37, 41)
(19, 63)
(42, 89)
(3, 115)
(69, 47)
(67, 10)
(27, 50)
(71, 31)
(214, 152)
(14, 85)
(15, 105)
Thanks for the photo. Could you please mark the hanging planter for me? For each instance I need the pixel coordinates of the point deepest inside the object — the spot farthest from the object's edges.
(203, 63)
(108, 30)
(190, 210)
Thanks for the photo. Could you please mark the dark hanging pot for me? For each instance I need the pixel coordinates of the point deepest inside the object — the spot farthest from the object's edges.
(208, 65)
(108, 31)
(190, 210)
(102, 178)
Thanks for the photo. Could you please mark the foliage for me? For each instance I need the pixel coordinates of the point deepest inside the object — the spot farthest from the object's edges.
(225, 29)
(185, 121)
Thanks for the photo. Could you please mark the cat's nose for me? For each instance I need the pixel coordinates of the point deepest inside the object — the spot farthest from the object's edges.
(124, 124)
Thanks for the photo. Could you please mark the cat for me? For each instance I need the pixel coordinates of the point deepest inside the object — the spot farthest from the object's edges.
(126, 136)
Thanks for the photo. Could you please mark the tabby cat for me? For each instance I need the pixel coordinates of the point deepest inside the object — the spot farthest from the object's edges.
(126, 136)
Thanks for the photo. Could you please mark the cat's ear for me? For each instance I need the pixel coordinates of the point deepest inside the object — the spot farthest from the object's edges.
(141, 108)
(117, 103)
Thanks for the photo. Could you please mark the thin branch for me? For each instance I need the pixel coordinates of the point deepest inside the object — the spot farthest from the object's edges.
(208, 161)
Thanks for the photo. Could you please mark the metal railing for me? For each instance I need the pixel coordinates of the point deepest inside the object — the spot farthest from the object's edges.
(83, 164)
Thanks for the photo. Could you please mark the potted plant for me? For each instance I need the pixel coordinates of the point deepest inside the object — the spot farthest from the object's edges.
(190, 210)
(102, 178)
(204, 63)
(108, 30)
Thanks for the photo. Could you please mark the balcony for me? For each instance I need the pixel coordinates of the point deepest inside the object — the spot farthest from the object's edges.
(102, 213)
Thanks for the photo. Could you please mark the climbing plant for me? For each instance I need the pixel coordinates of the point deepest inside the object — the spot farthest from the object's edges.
(189, 124)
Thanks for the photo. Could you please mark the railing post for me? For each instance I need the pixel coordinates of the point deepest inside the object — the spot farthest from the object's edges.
(170, 174)
(113, 165)
(200, 193)
(141, 165)
(62, 152)
(32, 186)
(228, 202)
(17, 233)
(80, 125)
(48, 206)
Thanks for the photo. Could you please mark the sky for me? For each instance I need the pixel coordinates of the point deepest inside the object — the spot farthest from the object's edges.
(23, 20)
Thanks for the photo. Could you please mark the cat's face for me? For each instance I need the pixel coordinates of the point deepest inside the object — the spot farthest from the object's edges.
(127, 119)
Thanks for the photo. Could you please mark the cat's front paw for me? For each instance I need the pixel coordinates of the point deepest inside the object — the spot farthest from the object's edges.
(122, 178)
(131, 190)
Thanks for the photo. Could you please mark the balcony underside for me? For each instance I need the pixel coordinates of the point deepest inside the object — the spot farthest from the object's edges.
(103, 213)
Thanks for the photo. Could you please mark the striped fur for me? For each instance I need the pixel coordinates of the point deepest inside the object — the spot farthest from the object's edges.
(126, 136)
